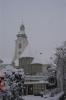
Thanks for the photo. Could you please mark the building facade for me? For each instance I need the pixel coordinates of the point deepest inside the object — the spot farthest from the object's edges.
(36, 73)
(35, 84)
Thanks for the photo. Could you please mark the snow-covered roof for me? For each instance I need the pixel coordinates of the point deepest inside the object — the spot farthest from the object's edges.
(36, 77)
(28, 52)
(31, 52)
(37, 82)
(38, 59)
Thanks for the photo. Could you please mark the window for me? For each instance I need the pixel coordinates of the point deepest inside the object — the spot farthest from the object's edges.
(20, 45)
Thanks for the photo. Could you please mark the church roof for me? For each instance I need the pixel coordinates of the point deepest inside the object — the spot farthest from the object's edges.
(37, 59)
(28, 52)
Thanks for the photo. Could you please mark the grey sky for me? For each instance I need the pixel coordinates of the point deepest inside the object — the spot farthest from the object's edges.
(45, 22)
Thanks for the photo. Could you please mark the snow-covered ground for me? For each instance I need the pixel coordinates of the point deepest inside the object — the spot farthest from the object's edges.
(56, 97)
(39, 98)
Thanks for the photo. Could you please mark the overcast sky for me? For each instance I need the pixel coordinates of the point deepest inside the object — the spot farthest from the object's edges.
(44, 20)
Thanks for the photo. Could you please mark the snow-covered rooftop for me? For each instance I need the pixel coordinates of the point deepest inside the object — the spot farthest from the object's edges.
(36, 77)
(37, 82)
(28, 52)
(36, 60)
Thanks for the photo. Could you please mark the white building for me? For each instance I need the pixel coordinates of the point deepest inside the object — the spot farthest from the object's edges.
(35, 70)
(21, 43)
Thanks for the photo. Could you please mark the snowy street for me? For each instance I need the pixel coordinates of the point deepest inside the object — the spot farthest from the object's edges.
(42, 98)
(38, 98)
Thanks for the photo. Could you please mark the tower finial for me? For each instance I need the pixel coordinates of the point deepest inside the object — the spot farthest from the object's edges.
(22, 28)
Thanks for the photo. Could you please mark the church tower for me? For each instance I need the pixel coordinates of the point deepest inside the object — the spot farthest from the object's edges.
(21, 43)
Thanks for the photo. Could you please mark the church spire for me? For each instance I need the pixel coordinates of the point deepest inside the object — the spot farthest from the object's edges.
(21, 32)
(21, 43)
(22, 29)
